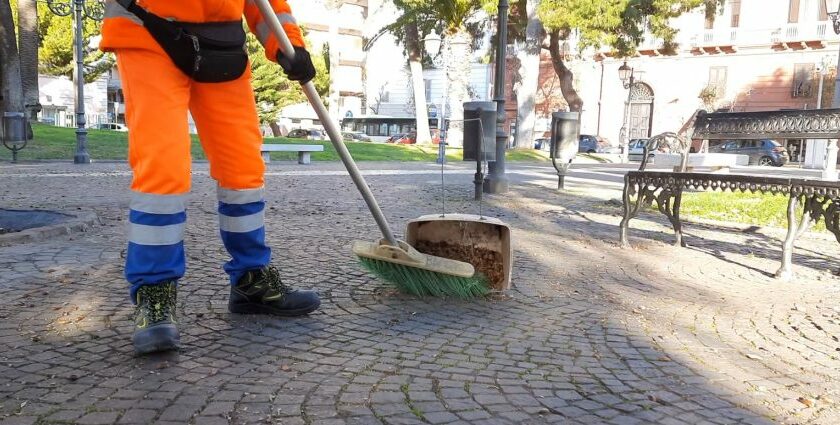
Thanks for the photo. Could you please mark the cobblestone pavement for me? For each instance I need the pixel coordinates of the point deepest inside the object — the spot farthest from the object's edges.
(590, 333)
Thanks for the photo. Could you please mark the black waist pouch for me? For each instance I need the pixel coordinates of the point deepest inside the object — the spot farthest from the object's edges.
(212, 52)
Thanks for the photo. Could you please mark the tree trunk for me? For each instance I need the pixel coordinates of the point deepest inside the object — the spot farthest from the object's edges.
(275, 129)
(11, 94)
(529, 77)
(567, 78)
(29, 42)
(458, 72)
(415, 56)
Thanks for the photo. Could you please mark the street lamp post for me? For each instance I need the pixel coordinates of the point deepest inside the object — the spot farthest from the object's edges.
(496, 181)
(440, 59)
(628, 78)
(80, 9)
(830, 168)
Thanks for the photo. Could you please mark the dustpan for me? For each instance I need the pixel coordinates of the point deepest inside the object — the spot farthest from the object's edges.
(483, 242)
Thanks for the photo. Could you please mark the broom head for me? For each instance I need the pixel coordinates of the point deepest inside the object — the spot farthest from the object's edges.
(420, 274)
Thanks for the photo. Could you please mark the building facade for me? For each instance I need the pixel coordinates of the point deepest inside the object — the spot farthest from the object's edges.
(756, 55)
(57, 98)
(339, 26)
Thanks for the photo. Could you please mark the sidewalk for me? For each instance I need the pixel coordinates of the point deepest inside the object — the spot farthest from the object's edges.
(589, 334)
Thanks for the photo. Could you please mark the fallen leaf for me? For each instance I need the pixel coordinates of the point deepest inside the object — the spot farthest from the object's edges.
(805, 401)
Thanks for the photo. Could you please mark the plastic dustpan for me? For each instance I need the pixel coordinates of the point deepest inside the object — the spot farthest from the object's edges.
(483, 242)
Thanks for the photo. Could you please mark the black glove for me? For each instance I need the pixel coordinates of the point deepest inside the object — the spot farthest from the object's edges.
(298, 69)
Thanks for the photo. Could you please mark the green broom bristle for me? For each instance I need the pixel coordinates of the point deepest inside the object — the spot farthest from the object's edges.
(420, 282)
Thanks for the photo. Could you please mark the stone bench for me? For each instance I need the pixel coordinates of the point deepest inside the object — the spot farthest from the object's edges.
(715, 161)
(303, 151)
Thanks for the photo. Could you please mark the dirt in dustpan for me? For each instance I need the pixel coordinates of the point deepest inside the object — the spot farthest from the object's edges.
(487, 262)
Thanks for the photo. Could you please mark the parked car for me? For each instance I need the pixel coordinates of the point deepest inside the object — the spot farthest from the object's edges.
(435, 136)
(594, 144)
(636, 149)
(112, 126)
(308, 134)
(407, 139)
(542, 143)
(395, 137)
(764, 152)
(354, 136)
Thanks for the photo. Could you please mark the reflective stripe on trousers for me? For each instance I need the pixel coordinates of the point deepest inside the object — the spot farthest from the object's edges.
(242, 227)
(155, 239)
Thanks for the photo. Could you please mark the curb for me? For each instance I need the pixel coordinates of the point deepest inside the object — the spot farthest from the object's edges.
(80, 222)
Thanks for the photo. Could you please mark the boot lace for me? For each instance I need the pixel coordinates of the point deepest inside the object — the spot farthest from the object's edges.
(157, 301)
(272, 276)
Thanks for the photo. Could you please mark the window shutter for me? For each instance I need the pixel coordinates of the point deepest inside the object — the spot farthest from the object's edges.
(736, 13)
(793, 13)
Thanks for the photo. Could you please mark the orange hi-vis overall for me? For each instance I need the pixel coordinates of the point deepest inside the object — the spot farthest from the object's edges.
(158, 97)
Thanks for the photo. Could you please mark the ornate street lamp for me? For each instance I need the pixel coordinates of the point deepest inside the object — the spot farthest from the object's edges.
(81, 10)
(627, 75)
(496, 181)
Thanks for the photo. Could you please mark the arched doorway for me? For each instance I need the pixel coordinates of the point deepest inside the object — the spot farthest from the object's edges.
(641, 111)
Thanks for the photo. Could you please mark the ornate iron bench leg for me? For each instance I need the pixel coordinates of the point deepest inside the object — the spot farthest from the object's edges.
(675, 219)
(785, 272)
(628, 214)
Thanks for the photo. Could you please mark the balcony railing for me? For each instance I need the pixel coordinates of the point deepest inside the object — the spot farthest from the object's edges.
(807, 31)
(801, 32)
(716, 37)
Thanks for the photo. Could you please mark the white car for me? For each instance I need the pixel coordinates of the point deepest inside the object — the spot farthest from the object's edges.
(636, 150)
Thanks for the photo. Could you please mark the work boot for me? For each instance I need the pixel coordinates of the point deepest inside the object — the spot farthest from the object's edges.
(262, 292)
(154, 319)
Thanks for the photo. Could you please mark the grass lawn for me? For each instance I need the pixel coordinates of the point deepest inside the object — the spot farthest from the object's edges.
(747, 208)
(60, 143)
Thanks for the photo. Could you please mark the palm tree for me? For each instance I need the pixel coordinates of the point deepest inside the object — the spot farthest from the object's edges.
(28, 42)
(418, 84)
(10, 85)
(453, 17)
(528, 55)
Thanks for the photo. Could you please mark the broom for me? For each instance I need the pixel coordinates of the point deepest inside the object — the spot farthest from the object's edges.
(393, 260)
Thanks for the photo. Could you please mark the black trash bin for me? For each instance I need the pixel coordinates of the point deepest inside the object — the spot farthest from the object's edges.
(565, 131)
(14, 130)
(478, 146)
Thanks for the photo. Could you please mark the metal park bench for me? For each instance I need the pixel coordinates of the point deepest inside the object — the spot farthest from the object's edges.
(820, 199)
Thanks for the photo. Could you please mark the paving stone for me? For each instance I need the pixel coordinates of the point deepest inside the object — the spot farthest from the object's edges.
(98, 418)
(138, 416)
(589, 332)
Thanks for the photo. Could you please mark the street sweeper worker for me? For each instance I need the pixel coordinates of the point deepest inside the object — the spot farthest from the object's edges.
(176, 57)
